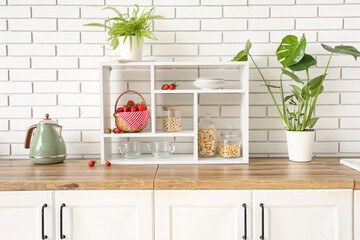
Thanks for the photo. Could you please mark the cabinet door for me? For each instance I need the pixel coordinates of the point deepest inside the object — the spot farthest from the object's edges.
(21, 218)
(303, 214)
(108, 214)
(357, 215)
(201, 214)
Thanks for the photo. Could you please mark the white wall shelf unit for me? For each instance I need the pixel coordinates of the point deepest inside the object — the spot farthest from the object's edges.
(147, 79)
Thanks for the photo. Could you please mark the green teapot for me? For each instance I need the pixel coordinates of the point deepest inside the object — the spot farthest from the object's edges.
(47, 145)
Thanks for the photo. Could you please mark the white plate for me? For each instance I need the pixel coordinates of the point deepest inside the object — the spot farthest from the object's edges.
(208, 85)
(210, 80)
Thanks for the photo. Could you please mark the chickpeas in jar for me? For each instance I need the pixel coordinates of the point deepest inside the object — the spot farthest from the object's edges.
(171, 119)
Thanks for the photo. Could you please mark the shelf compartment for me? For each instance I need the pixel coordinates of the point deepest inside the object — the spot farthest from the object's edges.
(150, 159)
(173, 159)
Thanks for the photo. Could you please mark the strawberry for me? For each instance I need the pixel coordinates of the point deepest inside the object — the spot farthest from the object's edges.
(114, 130)
(141, 107)
(120, 109)
(126, 108)
(108, 130)
(133, 109)
(118, 131)
(165, 87)
(92, 163)
(131, 103)
(173, 86)
(108, 163)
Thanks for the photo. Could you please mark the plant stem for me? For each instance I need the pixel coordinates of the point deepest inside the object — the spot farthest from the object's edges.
(282, 100)
(272, 95)
(303, 125)
(312, 106)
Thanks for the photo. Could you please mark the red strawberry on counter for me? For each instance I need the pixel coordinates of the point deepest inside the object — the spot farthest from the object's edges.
(118, 131)
(92, 163)
(120, 109)
(165, 87)
(131, 103)
(108, 130)
(108, 163)
(114, 130)
(126, 108)
(133, 109)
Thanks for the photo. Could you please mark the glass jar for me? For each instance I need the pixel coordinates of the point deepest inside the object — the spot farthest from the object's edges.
(207, 138)
(171, 119)
(230, 144)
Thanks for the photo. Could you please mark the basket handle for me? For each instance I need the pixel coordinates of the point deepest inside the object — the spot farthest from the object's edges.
(128, 92)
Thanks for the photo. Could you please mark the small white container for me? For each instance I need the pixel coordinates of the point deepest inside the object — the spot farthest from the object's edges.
(300, 145)
(135, 53)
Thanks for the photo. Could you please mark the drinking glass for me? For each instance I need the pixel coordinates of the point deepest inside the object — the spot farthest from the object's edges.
(162, 149)
(130, 149)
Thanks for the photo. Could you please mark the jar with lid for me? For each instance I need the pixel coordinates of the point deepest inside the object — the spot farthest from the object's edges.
(230, 143)
(207, 138)
(171, 119)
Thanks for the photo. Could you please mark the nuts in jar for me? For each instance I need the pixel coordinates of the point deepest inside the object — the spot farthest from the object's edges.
(171, 124)
(171, 119)
(207, 142)
(230, 143)
(230, 151)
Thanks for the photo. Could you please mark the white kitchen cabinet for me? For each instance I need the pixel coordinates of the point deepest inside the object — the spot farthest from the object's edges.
(202, 214)
(357, 215)
(303, 214)
(21, 215)
(105, 214)
(288, 214)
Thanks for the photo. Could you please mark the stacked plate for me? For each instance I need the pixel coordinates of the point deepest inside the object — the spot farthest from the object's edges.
(209, 83)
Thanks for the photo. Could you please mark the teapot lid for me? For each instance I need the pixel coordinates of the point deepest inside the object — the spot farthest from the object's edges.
(47, 120)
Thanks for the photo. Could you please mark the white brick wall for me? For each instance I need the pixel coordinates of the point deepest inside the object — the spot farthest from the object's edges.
(49, 64)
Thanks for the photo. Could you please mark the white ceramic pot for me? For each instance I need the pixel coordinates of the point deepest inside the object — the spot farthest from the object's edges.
(135, 53)
(300, 145)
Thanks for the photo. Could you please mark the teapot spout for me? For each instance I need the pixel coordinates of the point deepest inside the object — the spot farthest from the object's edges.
(58, 130)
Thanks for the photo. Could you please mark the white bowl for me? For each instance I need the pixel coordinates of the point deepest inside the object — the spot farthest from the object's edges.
(207, 86)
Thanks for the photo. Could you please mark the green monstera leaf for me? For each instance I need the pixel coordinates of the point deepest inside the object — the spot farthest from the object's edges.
(291, 51)
(243, 55)
(306, 62)
(344, 50)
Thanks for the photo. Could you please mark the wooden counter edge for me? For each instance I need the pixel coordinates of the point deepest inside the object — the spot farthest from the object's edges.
(357, 184)
(77, 185)
(254, 184)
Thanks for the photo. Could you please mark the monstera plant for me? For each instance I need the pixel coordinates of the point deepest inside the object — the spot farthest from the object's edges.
(296, 105)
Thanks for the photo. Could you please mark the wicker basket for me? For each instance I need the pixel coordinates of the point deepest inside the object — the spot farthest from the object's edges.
(120, 123)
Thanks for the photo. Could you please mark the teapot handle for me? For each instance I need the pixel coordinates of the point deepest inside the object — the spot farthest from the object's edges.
(28, 135)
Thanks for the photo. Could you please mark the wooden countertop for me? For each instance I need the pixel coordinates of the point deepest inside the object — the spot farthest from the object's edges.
(17, 175)
(323, 173)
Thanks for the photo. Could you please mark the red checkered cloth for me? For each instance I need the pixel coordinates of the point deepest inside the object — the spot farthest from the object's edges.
(135, 119)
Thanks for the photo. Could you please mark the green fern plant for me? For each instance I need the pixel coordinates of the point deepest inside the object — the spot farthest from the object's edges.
(128, 26)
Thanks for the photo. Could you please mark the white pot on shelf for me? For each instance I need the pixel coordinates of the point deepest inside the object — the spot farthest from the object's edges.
(300, 145)
(134, 53)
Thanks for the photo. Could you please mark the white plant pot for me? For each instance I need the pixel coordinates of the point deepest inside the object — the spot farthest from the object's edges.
(300, 145)
(135, 53)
